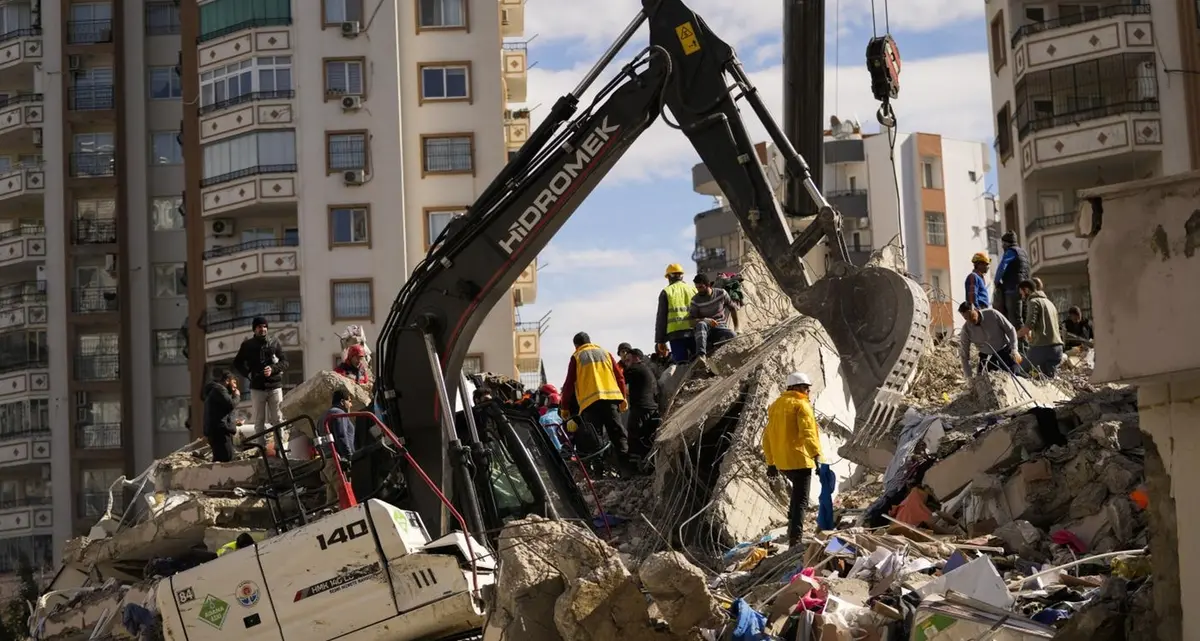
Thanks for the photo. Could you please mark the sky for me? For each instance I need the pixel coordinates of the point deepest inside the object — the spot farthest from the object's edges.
(602, 272)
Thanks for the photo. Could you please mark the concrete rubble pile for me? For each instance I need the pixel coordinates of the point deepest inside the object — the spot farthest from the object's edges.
(184, 508)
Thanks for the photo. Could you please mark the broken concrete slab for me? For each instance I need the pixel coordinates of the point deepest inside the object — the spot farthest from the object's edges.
(994, 450)
(79, 616)
(312, 397)
(680, 590)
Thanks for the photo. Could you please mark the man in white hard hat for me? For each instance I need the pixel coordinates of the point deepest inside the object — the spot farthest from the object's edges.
(792, 445)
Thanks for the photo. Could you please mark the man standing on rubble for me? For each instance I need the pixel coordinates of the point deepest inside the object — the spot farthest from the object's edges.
(672, 325)
(1041, 330)
(642, 383)
(597, 388)
(1012, 270)
(791, 444)
(220, 397)
(992, 335)
(261, 359)
(977, 289)
(715, 316)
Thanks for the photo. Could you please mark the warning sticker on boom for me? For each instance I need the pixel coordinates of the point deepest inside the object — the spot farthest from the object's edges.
(687, 38)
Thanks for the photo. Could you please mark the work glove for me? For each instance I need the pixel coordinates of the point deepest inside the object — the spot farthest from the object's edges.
(1017, 358)
(772, 472)
(661, 349)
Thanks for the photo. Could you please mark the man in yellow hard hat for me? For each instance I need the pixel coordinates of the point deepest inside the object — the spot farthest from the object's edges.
(673, 325)
(977, 290)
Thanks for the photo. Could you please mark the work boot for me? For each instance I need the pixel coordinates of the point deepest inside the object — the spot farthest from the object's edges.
(702, 367)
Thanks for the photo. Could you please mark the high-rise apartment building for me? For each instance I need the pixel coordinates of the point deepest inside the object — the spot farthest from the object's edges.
(1087, 94)
(168, 170)
(930, 201)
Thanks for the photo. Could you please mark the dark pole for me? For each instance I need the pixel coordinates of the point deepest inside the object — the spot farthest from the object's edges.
(804, 93)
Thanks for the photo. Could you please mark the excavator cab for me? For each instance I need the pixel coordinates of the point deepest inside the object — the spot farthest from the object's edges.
(877, 318)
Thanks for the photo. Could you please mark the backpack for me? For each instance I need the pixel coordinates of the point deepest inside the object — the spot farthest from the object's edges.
(732, 284)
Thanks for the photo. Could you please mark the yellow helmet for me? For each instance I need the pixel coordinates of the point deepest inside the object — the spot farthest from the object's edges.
(981, 257)
(674, 268)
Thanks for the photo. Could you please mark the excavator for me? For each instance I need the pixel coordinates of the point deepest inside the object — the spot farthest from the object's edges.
(406, 558)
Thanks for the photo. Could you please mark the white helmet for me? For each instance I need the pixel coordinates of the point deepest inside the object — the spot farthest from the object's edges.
(798, 378)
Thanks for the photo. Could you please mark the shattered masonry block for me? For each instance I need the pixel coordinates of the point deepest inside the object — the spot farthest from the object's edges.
(1019, 487)
(312, 397)
(680, 590)
(75, 619)
(993, 450)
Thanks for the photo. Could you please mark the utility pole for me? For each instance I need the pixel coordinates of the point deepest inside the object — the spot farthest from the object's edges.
(804, 93)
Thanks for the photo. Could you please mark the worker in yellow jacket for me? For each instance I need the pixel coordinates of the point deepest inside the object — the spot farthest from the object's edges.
(792, 444)
(595, 388)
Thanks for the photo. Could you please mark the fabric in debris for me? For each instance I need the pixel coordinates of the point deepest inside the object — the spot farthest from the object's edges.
(135, 618)
(825, 504)
(749, 624)
(1069, 539)
(913, 510)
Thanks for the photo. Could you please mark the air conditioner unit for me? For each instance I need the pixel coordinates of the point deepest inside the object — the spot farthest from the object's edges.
(864, 223)
(220, 300)
(74, 63)
(220, 228)
(354, 176)
(351, 29)
(37, 137)
(351, 103)
(110, 263)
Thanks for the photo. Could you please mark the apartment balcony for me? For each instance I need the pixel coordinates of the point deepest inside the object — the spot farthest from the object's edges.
(93, 164)
(22, 185)
(24, 516)
(247, 112)
(851, 203)
(512, 18)
(269, 259)
(525, 289)
(22, 245)
(1109, 30)
(91, 103)
(24, 378)
(710, 260)
(89, 32)
(516, 128)
(95, 300)
(264, 189)
(97, 368)
(836, 152)
(21, 119)
(516, 71)
(261, 36)
(1053, 246)
(19, 50)
(23, 305)
(98, 436)
(30, 447)
(225, 335)
(88, 231)
(527, 339)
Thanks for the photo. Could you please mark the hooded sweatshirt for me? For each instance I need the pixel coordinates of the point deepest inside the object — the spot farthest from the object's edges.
(219, 404)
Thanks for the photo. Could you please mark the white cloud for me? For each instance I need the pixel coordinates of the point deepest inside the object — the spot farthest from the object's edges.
(949, 95)
(556, 260)
(593, 25)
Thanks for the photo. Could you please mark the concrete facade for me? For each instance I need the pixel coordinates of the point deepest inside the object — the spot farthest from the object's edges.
(1086, 96)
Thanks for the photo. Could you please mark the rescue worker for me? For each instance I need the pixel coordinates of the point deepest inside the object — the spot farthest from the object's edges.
(597, 388)
(673, 326)
(1041, 330)
(994, 337)
(1012, 270)
(642, 383)
(353, 367)
(261, 359)
(220, 397)
(341, 429)
(977, 287)
(715, 316)
(243, 540)
(1076, 329)
(791, 444)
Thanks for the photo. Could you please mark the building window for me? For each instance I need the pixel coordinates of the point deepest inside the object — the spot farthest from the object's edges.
(352, 300)
(346, 151)
(999, 42)
(165, 148)
(249, 154)
(243, 81)
(339, 11)
(274, 74)
(1004, 143)
(972, 176)
(170, 348)
(349, 225)
(928, 174)
(344, 78)
(447, 154)
(441, 14)
(165, 84)
(170, 280)
(436, 221)
(222, 17)
(165, 214)
(472, 364)
(935, 228)
(446, 82)
(15, 16)
(162, 19)
(171, 413)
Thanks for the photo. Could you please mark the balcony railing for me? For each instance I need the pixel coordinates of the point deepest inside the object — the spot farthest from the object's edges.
(22, 99)
(93, 503)
(1046, 222)
(253, 96)
(9, 365)
(25, 501)
(224, 324)
(20, 33)
(253, 23)
(86, 231)
(1079, 18)
(93, 164)
(91, 98)
(94, 300)
(98, 367)
(515, 46)
(98, 436)
(24, 293)
(22, 231)
(529, 326)
(89, 32)
(249, 171)
(1074, 117)
(262, 243)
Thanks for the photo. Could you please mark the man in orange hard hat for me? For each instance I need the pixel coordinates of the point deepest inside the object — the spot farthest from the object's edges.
(673, 325)
(977, 290)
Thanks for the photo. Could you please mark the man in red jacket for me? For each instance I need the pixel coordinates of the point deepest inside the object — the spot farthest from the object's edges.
(352, 368)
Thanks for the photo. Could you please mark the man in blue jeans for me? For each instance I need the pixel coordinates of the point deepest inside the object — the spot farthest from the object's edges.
(715, 315)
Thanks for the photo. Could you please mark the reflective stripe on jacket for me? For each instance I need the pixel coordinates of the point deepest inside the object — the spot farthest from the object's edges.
(594, 376)
(791, 440)
(228, 547)
(679, 298)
